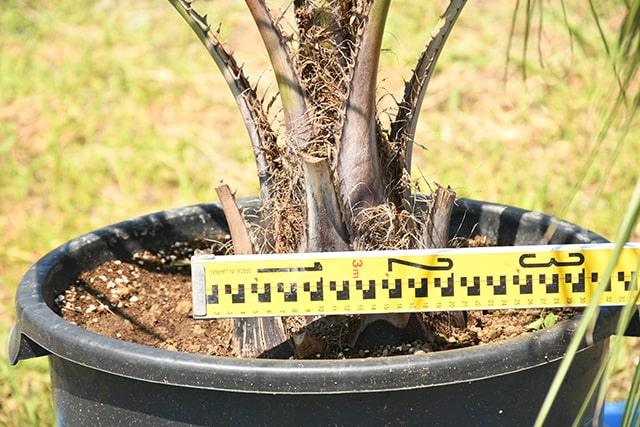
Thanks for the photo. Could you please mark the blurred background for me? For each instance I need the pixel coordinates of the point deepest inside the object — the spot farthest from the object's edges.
(110, 110)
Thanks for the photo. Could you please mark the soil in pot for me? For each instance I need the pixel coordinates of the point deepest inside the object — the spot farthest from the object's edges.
(147, 300)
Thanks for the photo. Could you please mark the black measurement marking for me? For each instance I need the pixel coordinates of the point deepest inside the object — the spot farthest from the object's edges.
(262, 296)
(213, 297)
(343, 294)
(447, 261)
(235, 298)
(552, 286)
(292, 294)
(445, 291)
(501, 289)
(595, 278)
(579, 259)
(578, 286)
(627, 283)
(397, 291)
(421, 291)
(555, 282)
(418, 286)
(525, 288)
(475, 289)
(370, 292)
(317, 295)
(316, 267)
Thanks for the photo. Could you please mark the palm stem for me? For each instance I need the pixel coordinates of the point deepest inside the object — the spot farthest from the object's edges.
(291, 93)
(255, 120)
(359, 169)
(403, 128)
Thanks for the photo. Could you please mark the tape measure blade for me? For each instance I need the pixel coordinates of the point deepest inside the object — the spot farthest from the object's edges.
(199, 290)
(534, 276)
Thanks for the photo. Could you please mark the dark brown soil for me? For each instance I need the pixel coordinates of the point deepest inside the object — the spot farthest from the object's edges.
(147, 300)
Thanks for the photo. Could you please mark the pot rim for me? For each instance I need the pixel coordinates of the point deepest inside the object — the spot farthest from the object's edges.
(40, 331)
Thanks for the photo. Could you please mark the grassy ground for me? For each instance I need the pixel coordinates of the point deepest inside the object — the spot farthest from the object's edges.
(110, 110)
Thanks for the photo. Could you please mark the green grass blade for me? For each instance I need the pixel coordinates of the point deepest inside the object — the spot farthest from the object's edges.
(590, 313)
(633, 401)
(605, 370)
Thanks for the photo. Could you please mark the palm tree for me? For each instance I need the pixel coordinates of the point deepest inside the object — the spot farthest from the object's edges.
(332, 178)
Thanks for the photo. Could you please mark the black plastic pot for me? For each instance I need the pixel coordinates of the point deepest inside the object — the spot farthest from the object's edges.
(102, 381)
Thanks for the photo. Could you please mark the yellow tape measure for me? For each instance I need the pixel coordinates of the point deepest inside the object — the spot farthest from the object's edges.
(405, 281)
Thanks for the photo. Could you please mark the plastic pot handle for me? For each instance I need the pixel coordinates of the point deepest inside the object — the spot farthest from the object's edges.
(22, 347)
(633, 329)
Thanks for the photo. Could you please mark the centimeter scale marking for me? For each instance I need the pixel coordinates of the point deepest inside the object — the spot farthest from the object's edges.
(405, 281)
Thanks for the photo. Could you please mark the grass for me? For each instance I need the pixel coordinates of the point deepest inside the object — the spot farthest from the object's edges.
(109, 111)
